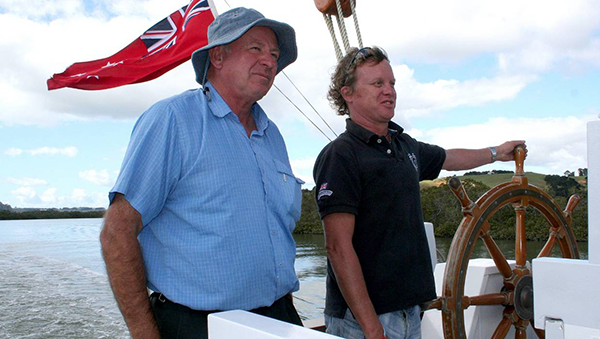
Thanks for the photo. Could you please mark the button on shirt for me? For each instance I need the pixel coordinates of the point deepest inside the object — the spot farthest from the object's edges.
(218, 208)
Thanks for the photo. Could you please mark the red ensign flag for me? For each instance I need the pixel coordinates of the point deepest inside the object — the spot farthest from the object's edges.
(163, 47)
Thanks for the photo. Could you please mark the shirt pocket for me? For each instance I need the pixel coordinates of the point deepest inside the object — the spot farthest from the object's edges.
(290, 190)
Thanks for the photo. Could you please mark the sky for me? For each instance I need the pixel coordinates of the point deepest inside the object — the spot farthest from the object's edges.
(469, 74)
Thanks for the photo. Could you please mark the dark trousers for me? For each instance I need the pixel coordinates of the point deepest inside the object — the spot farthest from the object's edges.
(176, 321)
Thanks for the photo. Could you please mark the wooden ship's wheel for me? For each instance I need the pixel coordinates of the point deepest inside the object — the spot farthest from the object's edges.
(516, 295)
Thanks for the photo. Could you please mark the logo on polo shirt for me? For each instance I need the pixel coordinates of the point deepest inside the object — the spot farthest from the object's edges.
(413, 159)
(323, 191)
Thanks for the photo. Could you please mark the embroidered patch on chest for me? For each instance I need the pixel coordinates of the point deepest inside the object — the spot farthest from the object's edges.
(413, 159)
(324, 192)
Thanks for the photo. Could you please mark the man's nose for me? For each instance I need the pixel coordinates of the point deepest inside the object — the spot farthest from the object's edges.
(268, 60)
(389, 89)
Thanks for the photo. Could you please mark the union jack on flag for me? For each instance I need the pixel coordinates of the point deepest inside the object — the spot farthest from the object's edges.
(192, 11)
(164, 33)
(159, 34)
(164, 46)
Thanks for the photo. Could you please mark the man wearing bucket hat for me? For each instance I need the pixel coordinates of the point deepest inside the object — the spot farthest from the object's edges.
(205, 204)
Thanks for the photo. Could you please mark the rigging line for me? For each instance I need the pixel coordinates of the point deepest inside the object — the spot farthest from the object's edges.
(342, 25)
(305, 99)
(353, 5)
(298, 108)
(336, 45)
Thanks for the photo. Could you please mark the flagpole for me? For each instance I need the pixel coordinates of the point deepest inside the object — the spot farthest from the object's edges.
(213, 8)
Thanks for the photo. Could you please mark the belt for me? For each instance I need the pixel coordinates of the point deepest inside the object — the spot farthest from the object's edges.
(161, 297)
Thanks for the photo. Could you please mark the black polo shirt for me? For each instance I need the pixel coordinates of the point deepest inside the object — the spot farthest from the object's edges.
(361, 173)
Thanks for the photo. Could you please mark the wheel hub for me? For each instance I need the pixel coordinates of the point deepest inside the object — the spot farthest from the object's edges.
(523, 298)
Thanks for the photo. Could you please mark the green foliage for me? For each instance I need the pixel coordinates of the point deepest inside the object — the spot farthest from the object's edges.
(487, 172)
(49, 214)
(561, 186)
(441, 208)
(535, 179)
(310, 220)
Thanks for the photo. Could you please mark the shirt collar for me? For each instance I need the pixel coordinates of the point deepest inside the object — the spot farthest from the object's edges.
(366, 135)
(220, 109)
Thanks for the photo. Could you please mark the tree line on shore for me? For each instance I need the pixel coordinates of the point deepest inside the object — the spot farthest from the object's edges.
(49, 214)
(439, 204)
(443, 210)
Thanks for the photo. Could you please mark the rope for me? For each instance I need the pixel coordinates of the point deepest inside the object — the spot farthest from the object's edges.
(352, 6)
(313, 107)
(342, 25)
(299, 110)
(336, 45)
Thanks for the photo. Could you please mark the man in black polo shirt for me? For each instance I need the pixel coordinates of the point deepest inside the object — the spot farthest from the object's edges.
(379, 269)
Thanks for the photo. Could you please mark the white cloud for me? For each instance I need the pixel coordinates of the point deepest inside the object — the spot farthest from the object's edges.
(50, 198)
(67, 151)
(13, 151)
(42, 9)
(70, 151)
(25, 194)
(526, 38)
(100, 178)
(417, 99)
(27, 181)
(459, 30)
(303, 169)
(554, 144)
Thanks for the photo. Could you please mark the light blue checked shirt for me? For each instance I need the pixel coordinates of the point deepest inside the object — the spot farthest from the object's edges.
(218, 208)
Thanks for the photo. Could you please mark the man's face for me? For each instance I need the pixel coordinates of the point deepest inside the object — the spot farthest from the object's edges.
(251, 64)
(374, 97)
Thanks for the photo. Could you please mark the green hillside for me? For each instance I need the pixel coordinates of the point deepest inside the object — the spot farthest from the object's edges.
(492, 180)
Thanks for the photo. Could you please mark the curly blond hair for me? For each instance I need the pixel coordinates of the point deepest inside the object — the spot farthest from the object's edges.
(345, 74)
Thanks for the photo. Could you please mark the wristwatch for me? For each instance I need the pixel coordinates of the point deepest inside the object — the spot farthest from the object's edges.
(493, 150)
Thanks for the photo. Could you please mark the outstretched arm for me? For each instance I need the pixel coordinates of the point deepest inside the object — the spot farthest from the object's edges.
(125, 267)
(458, 159)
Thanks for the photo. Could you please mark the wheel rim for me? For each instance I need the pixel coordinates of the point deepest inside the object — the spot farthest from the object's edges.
(516, 296)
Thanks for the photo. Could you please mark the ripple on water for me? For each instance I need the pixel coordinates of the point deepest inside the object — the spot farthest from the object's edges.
(46, 298)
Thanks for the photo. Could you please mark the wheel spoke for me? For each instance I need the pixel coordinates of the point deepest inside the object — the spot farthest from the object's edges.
(487, 299)
(520, 333)
(435, 304)
(496, 253)
(502, 329)
(545, 252)
(521, 238)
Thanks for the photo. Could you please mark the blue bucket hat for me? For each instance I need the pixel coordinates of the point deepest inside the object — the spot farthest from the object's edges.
(234, 23)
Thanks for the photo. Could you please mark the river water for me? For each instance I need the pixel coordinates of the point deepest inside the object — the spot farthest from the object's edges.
(53, 282)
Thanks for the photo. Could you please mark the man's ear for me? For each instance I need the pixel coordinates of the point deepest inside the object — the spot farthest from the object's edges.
(216, 55)
(347, 92)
